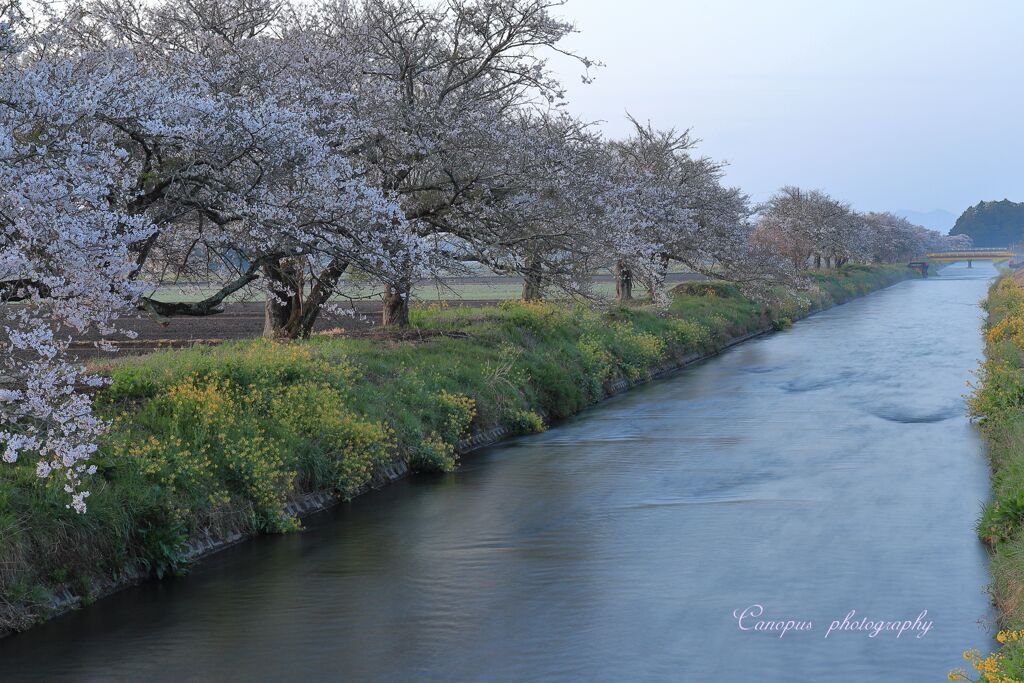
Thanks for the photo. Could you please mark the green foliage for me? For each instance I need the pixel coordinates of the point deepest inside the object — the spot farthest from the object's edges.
(719, 307)
(998, 404)
(526, 422)
(1006, 665)
(162, 549)
(437, 452)
(433, 454)
(1002, 517)
(992, 224)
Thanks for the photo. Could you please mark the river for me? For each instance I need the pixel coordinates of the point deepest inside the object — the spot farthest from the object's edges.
(813, 472)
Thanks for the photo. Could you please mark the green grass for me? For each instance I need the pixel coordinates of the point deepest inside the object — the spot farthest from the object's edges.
(998, 403)
(221, 438)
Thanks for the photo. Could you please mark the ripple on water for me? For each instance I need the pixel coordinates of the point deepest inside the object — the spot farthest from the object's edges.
(912, 415)
(761, 369)
(803, 384)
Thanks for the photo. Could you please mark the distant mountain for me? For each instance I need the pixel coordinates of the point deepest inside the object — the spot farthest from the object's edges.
(992, 224)
(936, 219)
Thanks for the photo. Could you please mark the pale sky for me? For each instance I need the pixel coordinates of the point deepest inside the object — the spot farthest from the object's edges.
(898, 104)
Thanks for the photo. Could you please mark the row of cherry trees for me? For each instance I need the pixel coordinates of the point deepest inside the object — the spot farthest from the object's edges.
(810, 228)
(286, 146)
(256, 143)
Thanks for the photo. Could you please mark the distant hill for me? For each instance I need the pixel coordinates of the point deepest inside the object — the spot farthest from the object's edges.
(936, 219)
(992, 224)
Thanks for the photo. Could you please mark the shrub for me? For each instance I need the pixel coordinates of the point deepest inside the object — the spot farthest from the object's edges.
(335, 448)
(205, 445)
(457, 413)
(1004, 666)
(526, 422)
(433, 454)
(689, 335)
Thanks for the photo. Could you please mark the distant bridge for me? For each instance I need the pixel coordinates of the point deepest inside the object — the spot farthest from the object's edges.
(971, 255)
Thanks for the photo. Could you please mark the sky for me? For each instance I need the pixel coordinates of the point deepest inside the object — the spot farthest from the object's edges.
(898, 104)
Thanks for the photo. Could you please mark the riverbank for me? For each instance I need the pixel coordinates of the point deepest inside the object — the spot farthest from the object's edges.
(998, 406)
(212, 445)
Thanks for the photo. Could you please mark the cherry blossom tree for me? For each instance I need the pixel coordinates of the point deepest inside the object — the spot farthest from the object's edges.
(803, 225)
(443, 88)
(256, 177)
(810, 228)
(668, 205)
(111, 156)
(65, 262)
(541, 212)
(891, 238)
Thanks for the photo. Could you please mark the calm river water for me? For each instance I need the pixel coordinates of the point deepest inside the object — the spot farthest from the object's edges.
(826, 469)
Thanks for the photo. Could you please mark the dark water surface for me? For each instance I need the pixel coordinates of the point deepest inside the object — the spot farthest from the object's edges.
(825, 469)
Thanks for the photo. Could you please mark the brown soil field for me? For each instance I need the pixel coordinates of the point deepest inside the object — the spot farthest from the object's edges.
(245, 321)
(238, 321)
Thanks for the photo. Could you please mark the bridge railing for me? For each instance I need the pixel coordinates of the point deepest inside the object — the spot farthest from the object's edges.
(971, 254)
(973, 249)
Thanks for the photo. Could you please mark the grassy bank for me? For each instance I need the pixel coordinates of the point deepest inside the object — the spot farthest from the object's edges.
(998, 406)
(218, 440)
(998, 403)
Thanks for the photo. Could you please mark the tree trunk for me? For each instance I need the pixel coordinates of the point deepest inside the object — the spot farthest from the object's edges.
(396, 304)
(817, 261)
(656, 283)
(212, 304)
(289, 313)
(321, 293)
(283, 307)
(533, 281)
(623, 281)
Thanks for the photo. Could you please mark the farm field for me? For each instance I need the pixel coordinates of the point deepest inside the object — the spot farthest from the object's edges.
(243, 316)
